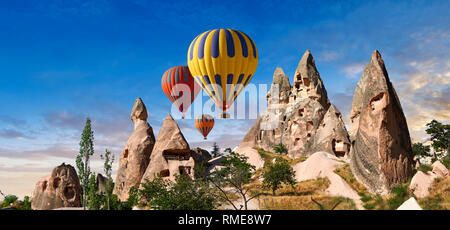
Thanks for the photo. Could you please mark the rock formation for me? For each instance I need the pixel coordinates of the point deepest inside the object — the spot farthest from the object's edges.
(171, 154)
(321, 165)
(381, 154)
(307, 82)
(331, 136)
(410, 204)
(101, 183)
(295, 117)
(421, 182)
(135, 156)
(60, 189)
(200, 155)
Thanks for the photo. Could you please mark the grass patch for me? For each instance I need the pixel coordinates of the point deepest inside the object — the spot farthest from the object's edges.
(269, 156)
(425, 168)
(399, 194)
(348, 176)
(305, 202)
(301, 188)
(439, 197)
(299, 196)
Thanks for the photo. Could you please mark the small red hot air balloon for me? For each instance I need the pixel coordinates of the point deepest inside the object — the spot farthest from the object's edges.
(204, 123)
(175, 82)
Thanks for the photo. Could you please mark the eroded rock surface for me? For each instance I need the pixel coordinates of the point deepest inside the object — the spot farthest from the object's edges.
(60, 189)
(135, 156)
(381, 154)
(171, 154)
(331, 135)
(294, 117)
(322, 165)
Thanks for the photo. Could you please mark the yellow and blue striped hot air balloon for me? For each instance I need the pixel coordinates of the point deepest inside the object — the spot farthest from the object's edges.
(223, 62)
(204, 123)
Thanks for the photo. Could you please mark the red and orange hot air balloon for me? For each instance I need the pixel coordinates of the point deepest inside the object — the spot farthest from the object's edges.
(204, 123)
(177, 81)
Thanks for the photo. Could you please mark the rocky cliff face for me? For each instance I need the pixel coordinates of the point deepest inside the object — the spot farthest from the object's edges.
(381, 156)
(295, 114)
(60, 189)
(135, 156)
(171, 154)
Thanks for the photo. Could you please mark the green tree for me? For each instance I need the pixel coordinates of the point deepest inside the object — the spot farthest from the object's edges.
(280, 148)
(26, 205)
(420, 150)
(236, 173)
(183, 194)
(9, 200)
(82, 161)
(277, 174)
(216, 150)
(93, 198)
(107, 168)
(440, 135)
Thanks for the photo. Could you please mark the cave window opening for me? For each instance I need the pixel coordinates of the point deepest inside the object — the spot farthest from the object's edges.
(185, 170)
(164, 173)
(300, 112)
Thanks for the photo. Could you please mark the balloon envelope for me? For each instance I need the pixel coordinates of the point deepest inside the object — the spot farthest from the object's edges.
(204, 123)
(223, 62)
(177, 81)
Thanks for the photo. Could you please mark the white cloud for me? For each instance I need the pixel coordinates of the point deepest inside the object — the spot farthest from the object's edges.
(353, 70)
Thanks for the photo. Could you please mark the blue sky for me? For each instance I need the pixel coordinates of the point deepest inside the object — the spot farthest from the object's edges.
(61, 61)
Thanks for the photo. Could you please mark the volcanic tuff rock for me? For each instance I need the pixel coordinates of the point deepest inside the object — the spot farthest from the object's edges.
(60, 189)
(294, 115)
(101, 182)
(381, 155)
(331, 136)
(421, 182)
(200, 155)
(135, 156)
(171, 154)
(321, 165)
(307, 81)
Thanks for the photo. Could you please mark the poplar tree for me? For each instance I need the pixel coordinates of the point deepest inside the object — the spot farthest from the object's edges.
(107, 168)
(82, 161)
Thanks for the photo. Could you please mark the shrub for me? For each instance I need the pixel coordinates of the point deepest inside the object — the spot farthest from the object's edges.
(26, 204)
(425, 168)
(9, 200)
(369, 206)
(446, 161)
(183, 194)
(280, 149)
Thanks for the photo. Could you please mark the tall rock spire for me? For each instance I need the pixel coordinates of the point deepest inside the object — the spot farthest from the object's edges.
(280, 89)
(135, 156)
(381, 155)
(307, 81)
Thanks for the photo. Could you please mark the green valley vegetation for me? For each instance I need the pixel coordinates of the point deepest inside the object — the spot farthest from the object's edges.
(12, 201)
(182, 194)
(225, 185)
(93, 198)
